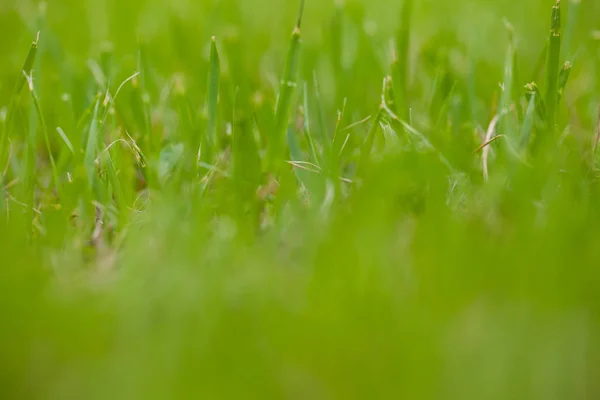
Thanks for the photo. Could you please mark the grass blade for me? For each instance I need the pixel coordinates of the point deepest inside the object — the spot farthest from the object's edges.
(532, 90)
(552, 66)
(390, 94)
(529, 120)
(539, 65)
(21, 81)
(307, 128)
(275, 151)
(210, 138)
(40, 115)
(563, 78)
(508, 96)
(28, 66)
(91, 149)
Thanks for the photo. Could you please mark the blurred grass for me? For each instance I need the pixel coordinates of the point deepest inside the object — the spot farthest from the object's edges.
(376, 262)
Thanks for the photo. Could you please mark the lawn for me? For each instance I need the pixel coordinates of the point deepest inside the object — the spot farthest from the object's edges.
(332, 200)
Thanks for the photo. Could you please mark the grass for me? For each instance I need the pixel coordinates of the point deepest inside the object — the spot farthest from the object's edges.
(402, 201)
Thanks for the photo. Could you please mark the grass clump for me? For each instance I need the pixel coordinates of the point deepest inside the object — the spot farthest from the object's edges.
(195, 204)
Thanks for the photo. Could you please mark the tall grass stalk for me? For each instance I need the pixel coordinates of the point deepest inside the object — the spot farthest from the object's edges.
(553, 66)
(276, 151)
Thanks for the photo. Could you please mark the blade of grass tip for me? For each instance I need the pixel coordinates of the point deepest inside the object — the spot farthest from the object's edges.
(40, 115)
(21, 81)
(98, 75)
(275, 150)
(563, 78)
(307, 128)
(552, 66)
(65, 139)
(528, 121)
(210, 138)
(390, 95)
(540, 107)
(28, 66)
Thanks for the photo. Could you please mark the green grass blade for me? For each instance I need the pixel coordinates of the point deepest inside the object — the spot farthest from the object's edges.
(541, 61)
(65, 139)
(21, 81)
(307, 127)
(38, 109)
(390, 94)
(91, 148)
(297, 156)
(27, 67)
(552, 66)
(276, 152)
(211, 140)
(506, 97)
(117, 189)
(563, 78)
(532, 90)
(528, 121)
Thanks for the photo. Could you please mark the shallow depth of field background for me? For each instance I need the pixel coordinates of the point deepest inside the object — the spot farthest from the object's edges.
(419, 283)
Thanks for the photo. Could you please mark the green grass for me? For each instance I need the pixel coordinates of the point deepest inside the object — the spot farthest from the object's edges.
(399, 200)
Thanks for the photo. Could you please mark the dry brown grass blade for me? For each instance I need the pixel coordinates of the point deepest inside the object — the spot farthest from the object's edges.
(492, 140)
(489, 138)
